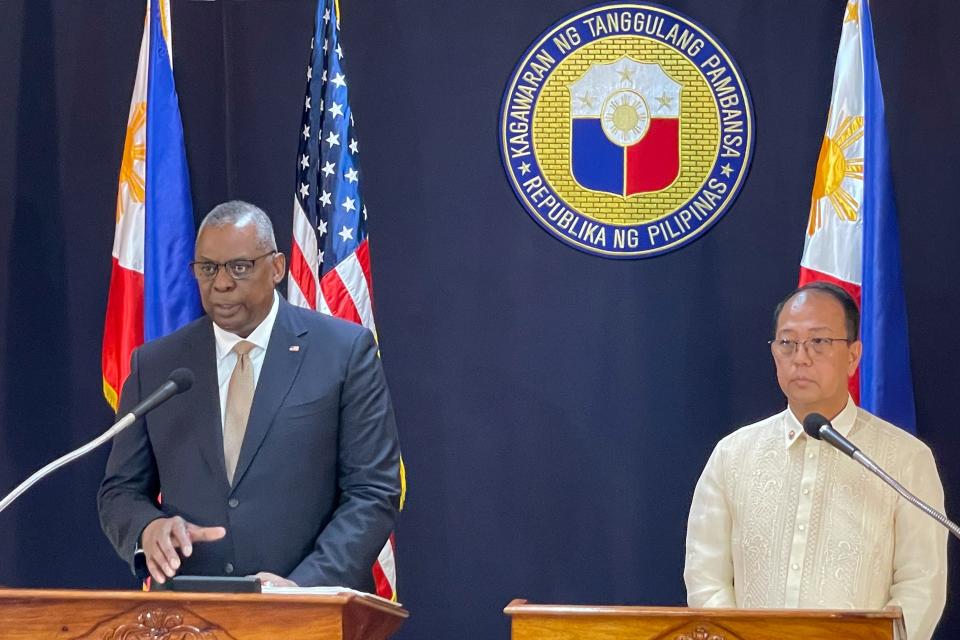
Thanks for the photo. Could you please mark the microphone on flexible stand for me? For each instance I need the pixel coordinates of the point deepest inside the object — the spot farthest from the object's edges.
(178, 381)
(819, 428)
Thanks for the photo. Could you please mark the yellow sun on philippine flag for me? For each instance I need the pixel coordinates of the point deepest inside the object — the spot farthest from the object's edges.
(134, 157)
(840, 160)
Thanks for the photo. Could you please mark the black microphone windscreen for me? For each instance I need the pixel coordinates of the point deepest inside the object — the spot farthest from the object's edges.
(812, 424)
(181, 377)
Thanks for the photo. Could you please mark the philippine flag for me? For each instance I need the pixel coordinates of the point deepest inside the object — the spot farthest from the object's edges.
(852, 236)
(625, 128)
(152, 291)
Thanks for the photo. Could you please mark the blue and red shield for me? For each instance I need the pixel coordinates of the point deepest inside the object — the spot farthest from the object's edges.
(625, 128)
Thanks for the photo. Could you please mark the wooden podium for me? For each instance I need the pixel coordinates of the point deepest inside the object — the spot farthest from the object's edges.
(556, 622)
(136, 615)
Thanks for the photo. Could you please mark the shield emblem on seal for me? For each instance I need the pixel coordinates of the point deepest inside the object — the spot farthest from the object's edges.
(625, 128)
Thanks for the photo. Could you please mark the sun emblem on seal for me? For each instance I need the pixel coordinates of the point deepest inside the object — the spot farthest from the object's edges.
(625, 117)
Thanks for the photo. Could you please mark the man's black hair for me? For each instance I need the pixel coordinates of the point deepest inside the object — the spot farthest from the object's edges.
(851, 313)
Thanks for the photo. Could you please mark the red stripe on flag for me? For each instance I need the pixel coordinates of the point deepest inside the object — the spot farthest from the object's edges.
(337, 297)
(383, 585)
(123, 328)
(384, 590)
(363, 257)
(809, 275)
(301, 273)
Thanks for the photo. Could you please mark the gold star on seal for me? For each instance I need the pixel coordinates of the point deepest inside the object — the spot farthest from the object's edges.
(624, 74)
(664, 100)
(726, 170)
(587, 100)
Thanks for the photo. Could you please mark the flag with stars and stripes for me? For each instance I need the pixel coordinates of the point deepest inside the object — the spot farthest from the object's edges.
(330, 256)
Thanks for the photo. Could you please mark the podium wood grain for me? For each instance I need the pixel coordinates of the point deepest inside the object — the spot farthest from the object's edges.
(135, 615)
(562, 622)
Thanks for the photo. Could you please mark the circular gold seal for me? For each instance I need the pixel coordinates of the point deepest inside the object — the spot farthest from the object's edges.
(626, 130)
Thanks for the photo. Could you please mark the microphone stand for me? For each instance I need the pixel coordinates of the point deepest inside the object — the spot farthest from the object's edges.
(899, 488)
(119, 426)
(818, 427)
(179, 381)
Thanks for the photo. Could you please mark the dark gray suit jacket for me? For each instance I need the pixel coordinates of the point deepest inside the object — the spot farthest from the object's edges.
(317, 484)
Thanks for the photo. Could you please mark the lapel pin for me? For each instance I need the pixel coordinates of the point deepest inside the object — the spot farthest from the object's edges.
(294, 347)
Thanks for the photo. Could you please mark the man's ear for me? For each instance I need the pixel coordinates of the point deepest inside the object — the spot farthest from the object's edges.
(856, 350)
(279, 265)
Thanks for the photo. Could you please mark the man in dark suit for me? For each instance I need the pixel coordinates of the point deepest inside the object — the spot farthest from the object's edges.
(282, 460)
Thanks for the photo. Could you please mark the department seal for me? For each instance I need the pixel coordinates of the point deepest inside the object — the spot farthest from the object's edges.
(626, 130)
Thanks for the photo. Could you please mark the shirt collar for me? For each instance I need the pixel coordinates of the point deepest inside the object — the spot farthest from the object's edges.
(843, 423)
(260, 336)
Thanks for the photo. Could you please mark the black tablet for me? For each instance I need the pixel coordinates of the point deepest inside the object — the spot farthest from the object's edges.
(209, 584)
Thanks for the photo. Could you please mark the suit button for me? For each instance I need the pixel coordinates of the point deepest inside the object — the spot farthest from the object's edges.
(229, 567)
(233, 502)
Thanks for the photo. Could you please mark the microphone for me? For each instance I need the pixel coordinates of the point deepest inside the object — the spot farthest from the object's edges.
(178, 381)
(819, 428)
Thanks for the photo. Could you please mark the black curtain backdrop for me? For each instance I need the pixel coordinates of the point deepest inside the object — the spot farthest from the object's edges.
(555, 408)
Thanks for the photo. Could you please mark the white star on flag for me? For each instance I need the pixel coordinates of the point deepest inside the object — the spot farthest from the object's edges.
(354, 147)
(322, 227)
(304, 189)
(333, 139)
(340, 80)
(306, 131)
(326, 201)
(306, 105)
(346, 234)
(349, 204)
(329, 169)
(336, 110)
(304, 161)
(351, 175)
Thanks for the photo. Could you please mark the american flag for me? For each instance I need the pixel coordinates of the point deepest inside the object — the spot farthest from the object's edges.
(330, 256)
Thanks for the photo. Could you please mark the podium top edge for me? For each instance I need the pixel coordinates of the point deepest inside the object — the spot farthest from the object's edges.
(336, 600)
(520, 607)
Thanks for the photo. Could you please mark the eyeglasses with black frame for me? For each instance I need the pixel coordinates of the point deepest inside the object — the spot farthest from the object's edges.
(819, 346)
(238, 269)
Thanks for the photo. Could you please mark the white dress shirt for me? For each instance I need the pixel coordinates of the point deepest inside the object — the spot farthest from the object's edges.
(782, 520)
(227, 357)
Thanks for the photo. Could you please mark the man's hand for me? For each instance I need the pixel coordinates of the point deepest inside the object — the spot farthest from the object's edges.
(161, 539)
(273, 580)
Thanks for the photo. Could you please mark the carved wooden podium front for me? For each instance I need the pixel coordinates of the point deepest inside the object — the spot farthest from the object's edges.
(135, 615)
(560, 622)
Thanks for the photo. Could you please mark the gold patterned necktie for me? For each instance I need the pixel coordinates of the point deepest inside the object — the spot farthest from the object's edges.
(239, 399)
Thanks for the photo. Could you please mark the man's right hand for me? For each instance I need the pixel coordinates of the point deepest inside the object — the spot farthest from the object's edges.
(161, 539)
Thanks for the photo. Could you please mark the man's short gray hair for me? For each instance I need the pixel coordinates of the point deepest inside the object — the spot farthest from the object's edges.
(240, 213)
